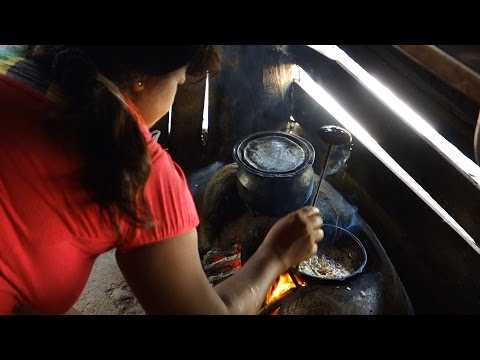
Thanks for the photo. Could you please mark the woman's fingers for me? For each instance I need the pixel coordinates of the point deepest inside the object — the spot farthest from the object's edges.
(311, 215)
(318, 235)
(310, 211)
(317, 222)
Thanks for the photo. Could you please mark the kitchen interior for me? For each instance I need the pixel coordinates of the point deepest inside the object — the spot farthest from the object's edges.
(382, 138)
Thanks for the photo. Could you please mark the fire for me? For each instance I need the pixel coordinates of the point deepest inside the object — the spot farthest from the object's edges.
(281, 285)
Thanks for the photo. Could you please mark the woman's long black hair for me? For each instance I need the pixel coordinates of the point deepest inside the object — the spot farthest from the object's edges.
(117, 163)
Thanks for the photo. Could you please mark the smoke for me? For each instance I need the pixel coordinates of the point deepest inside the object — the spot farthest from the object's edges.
(335, 209)
(338, 159)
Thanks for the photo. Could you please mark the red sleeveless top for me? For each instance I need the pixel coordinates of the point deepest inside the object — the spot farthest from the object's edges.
(50, 231)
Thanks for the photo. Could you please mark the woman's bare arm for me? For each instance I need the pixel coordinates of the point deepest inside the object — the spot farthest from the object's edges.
(167, 277)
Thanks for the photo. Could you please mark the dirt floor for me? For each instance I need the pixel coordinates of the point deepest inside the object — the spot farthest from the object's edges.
(106, 292)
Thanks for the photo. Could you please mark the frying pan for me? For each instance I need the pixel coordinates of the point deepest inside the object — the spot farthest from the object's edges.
(344, 248)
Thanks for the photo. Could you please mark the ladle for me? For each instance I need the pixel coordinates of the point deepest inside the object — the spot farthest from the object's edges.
(332, 135)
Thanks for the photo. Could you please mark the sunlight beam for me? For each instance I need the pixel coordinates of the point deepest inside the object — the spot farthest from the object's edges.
(333, 107)
(462, 163)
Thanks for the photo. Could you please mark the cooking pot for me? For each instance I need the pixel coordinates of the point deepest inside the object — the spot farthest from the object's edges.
(275, 174)
(340, 253)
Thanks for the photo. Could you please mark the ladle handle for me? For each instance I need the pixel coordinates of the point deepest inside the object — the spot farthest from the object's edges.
(322, 171)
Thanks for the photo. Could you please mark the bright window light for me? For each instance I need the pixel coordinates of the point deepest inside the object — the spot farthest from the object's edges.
(333, 107)
(462, 163)
(205, 105)
(169, 125)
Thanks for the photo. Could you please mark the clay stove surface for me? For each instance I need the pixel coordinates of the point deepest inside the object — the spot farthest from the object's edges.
(226, 221)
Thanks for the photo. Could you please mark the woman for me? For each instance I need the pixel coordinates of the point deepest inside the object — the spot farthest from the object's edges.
(82, 175)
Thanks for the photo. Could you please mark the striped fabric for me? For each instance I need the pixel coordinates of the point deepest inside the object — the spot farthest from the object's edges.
(13, 64)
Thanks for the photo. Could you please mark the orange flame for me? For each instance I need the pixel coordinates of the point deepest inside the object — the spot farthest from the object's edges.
(281, 286)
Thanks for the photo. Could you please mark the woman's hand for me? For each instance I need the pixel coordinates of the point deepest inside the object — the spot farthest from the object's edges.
(294, 237)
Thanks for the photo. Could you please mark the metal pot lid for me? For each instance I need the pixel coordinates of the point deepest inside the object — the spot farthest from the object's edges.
(274, 153)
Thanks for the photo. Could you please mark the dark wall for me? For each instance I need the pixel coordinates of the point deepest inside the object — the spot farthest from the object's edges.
(184, 140)
(249, 94)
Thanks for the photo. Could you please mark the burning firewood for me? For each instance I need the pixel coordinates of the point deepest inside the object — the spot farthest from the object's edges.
(220, 264)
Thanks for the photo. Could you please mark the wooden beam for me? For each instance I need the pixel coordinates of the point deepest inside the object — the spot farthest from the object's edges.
(446, 67)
